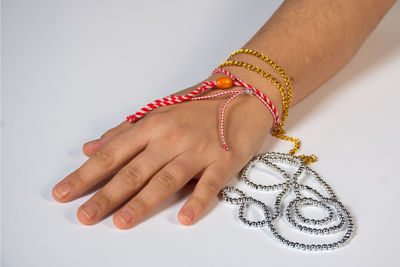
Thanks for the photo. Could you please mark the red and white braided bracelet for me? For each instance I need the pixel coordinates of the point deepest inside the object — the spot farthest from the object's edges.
(220, 83)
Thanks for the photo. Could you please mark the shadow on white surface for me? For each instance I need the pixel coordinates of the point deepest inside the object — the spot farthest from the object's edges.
(73, 67)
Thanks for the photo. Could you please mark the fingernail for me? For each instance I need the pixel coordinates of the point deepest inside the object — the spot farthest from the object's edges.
(90, 210)
(188, 214)
(125, 216)
(62, 189)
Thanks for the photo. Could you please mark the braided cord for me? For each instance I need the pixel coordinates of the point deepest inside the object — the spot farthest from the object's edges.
(193, 96)
(286, 95)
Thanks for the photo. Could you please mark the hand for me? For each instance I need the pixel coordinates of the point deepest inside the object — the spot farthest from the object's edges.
(154, 157)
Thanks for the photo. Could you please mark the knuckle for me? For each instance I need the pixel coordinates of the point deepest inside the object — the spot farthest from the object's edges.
(199, 202)
(103, 200)
(150, 120)
(234, 158)
(110, 131)
(178, 135)
(104, 156)
(131, 175)
(138, 206)
(166, 179)
(212, 186)
(77, 179)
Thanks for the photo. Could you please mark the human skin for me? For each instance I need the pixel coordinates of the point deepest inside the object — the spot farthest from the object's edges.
(153, 158)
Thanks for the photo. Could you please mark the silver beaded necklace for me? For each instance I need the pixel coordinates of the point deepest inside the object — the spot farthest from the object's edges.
(338, 219)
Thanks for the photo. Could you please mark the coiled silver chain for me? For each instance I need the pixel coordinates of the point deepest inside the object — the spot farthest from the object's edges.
(338, 219)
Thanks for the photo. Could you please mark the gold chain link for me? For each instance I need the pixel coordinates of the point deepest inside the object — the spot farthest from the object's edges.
(286, 95)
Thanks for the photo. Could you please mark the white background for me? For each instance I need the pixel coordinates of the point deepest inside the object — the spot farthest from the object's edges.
(73, 69)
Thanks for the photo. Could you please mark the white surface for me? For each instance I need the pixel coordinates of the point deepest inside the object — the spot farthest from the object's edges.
(73, 69)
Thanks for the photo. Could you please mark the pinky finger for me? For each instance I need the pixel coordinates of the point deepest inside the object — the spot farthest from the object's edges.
(213, 179)
(90, 148)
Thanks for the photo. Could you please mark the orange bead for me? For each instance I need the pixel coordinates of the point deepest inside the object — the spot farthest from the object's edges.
(224, 82)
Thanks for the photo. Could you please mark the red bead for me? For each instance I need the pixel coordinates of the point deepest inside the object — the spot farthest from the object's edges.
(224, 82)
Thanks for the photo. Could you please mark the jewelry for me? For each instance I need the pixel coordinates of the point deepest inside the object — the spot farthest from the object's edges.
(221, 83)
(286, 95)
(294, 217)
(328, 201)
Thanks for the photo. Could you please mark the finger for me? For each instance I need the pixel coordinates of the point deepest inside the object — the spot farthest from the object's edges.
(104, 162)
(164, 184)
(207, 188)
(127, 182)
(90, 147)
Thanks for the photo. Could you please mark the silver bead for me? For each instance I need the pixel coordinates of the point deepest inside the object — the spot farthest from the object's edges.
(340, 218)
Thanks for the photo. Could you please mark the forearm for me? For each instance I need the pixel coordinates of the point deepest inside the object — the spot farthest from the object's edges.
(312, 40)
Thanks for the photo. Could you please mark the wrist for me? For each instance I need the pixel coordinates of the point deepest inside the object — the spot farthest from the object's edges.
(257, 81)
(260, 99)
(254, 102)
(246, 104)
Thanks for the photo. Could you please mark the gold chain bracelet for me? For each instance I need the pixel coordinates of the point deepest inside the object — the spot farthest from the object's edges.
(286, 95)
